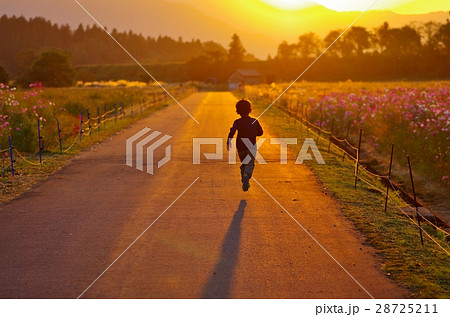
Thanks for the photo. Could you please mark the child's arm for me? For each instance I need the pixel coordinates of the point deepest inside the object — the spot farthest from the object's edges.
(233, 130)
(259, 130)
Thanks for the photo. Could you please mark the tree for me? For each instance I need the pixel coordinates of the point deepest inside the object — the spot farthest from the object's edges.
(443, 37)
(199, 68)
(429, 34)
(410, 41)
(286, 51)
(250, 58)
(88, 44)
(215, 51)
(399, 41)
(358, 39)
(335, 49)
(4, 76)
(236, 51)
(308, 45)
(79, 34)
(53, 68)
(384, 37)
(24, 60)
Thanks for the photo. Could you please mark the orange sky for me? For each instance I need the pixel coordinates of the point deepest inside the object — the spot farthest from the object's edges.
(273, 16)
(260, 25)
(268, 21)
(399, 6)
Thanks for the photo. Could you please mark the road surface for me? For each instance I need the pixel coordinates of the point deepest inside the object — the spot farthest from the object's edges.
(215, 241)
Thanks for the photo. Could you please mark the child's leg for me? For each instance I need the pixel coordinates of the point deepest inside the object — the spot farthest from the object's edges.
(246, 169)
(243, 167)
(250, 167)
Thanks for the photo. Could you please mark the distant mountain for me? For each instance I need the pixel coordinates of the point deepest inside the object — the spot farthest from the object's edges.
(260, 34)
(153, 17)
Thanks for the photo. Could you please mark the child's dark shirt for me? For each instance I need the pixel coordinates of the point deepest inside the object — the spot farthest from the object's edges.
(247, 127)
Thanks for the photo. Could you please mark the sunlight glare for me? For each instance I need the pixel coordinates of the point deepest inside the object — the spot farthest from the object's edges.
(341, 5)
(289, 4)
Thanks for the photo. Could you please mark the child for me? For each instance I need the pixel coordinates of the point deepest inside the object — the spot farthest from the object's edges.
(248, 128)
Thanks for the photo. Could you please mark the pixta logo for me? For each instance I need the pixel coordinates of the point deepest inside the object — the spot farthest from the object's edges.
(304, 155)
(145, 138)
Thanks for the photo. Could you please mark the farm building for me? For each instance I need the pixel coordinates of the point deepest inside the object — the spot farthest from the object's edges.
(244, 77)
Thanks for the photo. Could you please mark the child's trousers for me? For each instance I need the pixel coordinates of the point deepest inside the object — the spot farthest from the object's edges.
(249, 167)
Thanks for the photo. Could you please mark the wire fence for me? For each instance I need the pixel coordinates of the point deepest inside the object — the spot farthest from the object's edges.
(88, 126)
(301, 115)
(350, 151)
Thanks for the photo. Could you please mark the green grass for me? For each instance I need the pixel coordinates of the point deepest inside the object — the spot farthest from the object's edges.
(64, 105)
(425, 270)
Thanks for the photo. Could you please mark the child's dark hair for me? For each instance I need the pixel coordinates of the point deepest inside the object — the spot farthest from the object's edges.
(243, 107)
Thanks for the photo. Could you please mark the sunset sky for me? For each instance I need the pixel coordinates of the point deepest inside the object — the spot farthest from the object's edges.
(261, 24)
(399, 6)
(275, 16)
(289, 18)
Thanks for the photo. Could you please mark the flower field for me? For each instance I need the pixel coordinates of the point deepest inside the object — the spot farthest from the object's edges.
(21, 110)
(413, 116)
(417, 120)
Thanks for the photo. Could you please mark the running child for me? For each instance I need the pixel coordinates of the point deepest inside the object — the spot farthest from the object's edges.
(248, 129)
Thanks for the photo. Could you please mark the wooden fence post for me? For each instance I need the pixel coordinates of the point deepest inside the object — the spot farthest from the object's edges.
(59, 136)
(11, 148)
(307, 122)
(301, 120)
(358, 155)
(104, 115)
(81, 125)
(389, 178)
(39, 140)
(89, 122)
(320, 128)
(415, 200)
(99, 121)
(331, 135)
(346, 138)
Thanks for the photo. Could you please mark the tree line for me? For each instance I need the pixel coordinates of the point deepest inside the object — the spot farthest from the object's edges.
(415, 51)
(21, 41)
(419, 51)
(431, 38)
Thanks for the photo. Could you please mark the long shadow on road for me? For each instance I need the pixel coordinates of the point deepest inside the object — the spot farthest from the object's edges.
(220, 282)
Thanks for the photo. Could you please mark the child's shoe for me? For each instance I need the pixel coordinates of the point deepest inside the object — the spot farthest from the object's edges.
(245, 183)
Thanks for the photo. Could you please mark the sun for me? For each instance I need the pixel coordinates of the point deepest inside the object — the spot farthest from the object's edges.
(338, 5)
(289, 4)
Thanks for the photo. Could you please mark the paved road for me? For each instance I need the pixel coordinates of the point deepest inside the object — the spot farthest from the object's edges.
(214, 241)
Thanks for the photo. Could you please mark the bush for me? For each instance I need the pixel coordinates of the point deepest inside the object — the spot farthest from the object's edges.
(4, 77)
(53, 68)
